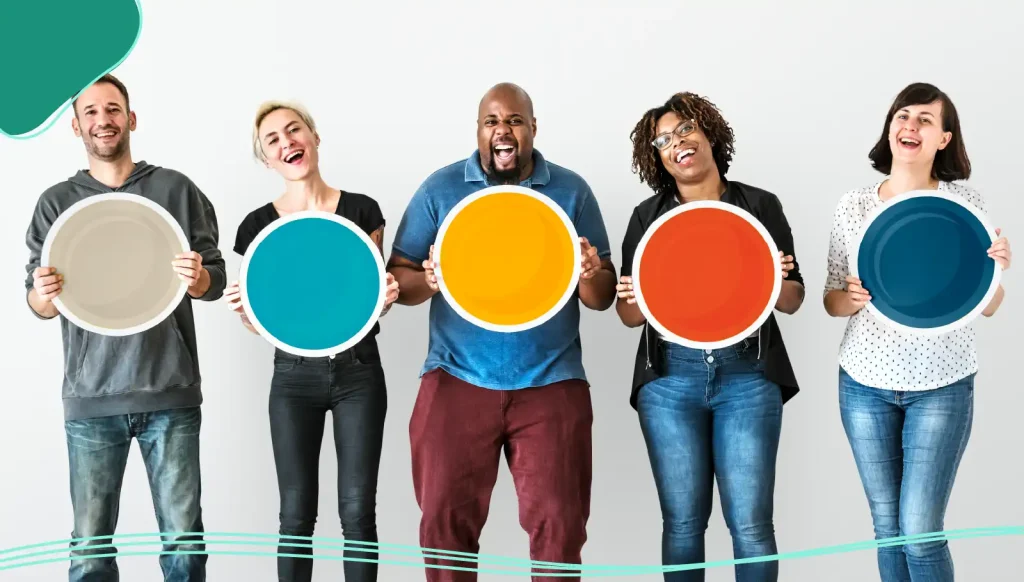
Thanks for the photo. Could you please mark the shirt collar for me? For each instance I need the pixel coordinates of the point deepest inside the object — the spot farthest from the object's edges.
(541, 173)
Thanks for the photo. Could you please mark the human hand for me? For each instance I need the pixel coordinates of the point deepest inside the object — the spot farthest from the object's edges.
(233, 297)
(189, 267)
(858, 295)
(47, 282)
(625, 290)
(1000, 251)
(787, 264)
(428, 271)
(590, 262)
(392, 291)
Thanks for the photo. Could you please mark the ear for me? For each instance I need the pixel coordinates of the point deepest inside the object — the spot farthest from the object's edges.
(75, 127)
(533, 125)
(317, 136)
(132, 121)
(946, 138)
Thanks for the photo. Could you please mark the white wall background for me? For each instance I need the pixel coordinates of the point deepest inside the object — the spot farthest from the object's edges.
(394, 87)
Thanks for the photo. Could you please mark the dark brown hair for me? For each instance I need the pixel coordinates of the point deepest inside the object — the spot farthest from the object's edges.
(646, 159)
(108, 78)
(950, 163)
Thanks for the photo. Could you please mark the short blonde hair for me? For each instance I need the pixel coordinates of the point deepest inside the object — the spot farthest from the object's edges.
(266, 109)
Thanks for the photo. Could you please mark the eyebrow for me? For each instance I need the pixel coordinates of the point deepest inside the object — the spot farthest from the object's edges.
(274, 132)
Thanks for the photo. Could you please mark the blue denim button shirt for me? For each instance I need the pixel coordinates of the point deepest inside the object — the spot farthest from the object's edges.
(551, 352)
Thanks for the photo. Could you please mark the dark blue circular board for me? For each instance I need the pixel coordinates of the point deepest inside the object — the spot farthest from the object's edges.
(924, 261)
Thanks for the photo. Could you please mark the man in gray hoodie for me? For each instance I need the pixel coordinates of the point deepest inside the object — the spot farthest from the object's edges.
(144, 386)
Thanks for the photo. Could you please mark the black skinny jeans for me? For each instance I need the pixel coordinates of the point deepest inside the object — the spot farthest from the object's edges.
(302, 392)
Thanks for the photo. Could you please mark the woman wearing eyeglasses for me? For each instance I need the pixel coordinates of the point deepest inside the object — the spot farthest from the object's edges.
(708, 414)
(350, 385)
(907, 401)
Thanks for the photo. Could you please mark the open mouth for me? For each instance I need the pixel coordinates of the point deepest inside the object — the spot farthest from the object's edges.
(504, 153)
(684, 156)
(105, 134)
(295, 158)
(909, 143)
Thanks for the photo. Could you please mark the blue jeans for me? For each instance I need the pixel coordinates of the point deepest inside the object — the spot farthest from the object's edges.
(908, 446)
(98, 451)
(714, 415)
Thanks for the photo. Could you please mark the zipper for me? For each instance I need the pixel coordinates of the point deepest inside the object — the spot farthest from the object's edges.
(647, 339)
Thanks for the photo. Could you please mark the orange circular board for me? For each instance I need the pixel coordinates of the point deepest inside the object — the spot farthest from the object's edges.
(707, 274)
(508, 258)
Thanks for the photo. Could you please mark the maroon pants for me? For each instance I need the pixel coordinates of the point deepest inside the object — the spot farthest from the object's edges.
(458, 432)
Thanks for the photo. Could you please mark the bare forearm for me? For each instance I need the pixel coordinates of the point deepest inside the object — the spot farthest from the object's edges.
(202, 285)
(412, 286)
(790, 298)
(837, 304)
(993, 305)
(629, 314)
(44, 309)
(598, 292)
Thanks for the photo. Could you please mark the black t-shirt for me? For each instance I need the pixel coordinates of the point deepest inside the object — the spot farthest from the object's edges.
(359, 208)
(767, 209)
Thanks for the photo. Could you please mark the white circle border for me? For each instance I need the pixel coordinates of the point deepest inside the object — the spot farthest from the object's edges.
(570, 231)
(309, 215)
(766, 238)
(94, 199)
(970, 316)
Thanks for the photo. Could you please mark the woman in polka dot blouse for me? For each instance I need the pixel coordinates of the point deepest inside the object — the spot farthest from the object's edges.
(906, 401)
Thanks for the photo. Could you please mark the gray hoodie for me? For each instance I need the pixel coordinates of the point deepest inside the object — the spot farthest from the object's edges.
(154, 370)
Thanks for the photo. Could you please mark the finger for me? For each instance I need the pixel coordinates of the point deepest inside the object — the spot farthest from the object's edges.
(42, 271)
(185, 271)
(998, 231)
(185, 263)
(47, 280)
(852, 279)
(584, 243)
(48, 289)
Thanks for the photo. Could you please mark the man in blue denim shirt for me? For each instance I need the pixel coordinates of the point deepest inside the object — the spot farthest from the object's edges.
(481, 391)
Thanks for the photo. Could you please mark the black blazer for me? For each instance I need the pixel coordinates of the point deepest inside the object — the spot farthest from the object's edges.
(766, 208)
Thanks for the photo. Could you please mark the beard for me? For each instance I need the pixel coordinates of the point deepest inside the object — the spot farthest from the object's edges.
(507, 177)
(104, 152)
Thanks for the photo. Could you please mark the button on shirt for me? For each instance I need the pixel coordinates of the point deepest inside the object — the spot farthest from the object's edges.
(549, 353)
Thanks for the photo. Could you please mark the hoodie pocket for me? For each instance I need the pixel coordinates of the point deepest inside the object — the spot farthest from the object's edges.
(151, 361)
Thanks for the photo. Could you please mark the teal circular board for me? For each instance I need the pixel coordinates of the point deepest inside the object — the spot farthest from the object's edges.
(313, 284)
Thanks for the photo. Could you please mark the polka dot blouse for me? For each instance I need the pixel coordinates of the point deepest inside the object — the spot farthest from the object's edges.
(875, 354)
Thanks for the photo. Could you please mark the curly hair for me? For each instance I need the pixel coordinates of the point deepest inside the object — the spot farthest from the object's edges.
(646, 159)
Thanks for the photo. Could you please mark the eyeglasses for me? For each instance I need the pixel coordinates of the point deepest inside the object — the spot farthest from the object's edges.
(685, 128)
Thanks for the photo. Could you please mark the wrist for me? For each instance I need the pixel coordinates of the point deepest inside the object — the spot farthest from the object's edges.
(202, 284)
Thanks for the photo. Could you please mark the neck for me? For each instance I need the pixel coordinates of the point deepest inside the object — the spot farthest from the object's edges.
(904, 178)
(112, 173)
(311, 193)
(710, 188)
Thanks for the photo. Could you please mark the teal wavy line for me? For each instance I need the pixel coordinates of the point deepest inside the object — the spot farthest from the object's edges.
(572, 570)
(56, 115)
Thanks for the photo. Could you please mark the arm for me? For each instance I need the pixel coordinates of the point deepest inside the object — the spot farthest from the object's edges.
(792, 295)
(597, 280)
(205, 237)
(993, 305)
(42, 283)
(626, 306)
(598, 291)
(843, 296)
(412, 250)
(413, 288)
(377, 236)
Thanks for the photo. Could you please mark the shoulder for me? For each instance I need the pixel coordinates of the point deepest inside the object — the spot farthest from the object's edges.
(453, 173)
(563, 177)
(172, 176)
(758, 198)
(359, 201)
(258, 218)
(856, 200)
(647, 211)
(60, 195)
(965, 191)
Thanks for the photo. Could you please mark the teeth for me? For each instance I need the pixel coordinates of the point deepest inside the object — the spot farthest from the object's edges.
(105, 134)
(503, 148)
(909, 141)
(684, 153)
(291, 156)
